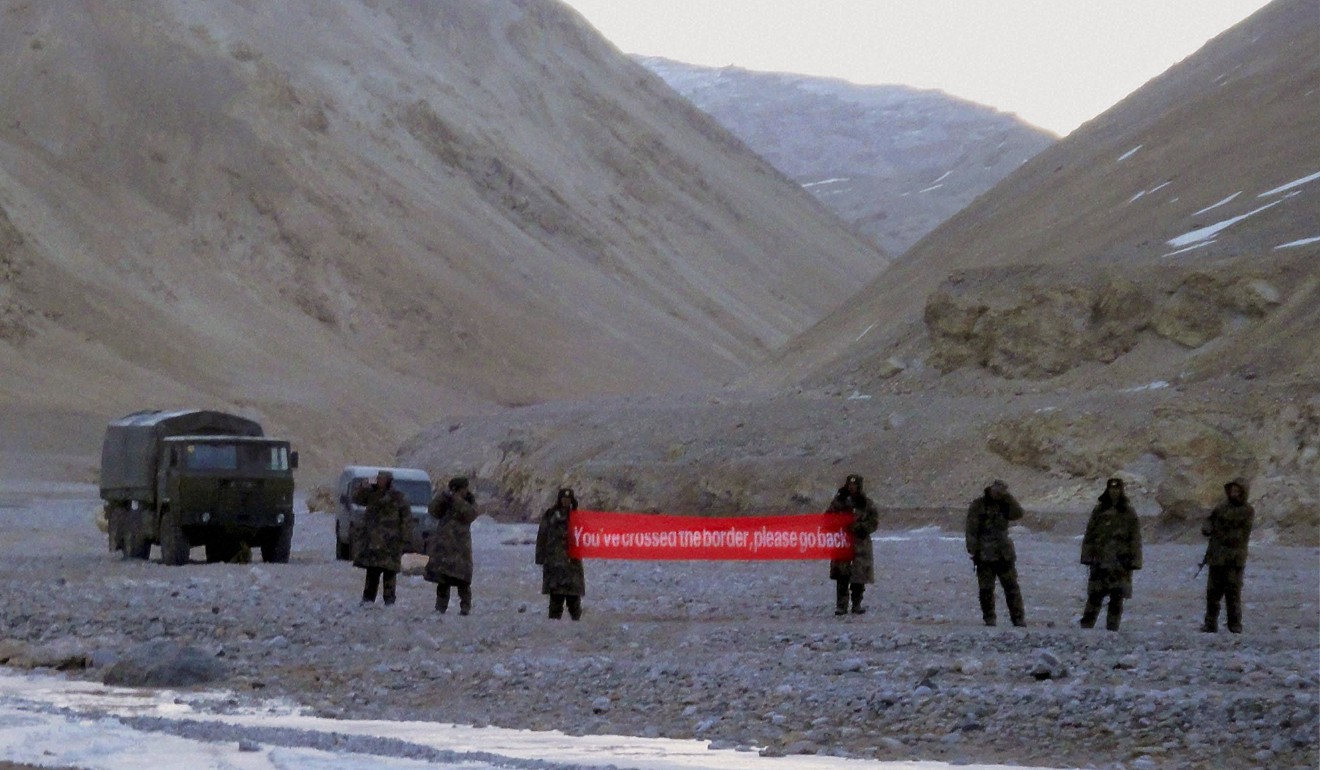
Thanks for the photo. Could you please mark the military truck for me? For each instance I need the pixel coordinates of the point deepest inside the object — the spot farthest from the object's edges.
(193, 477)
(416, 487)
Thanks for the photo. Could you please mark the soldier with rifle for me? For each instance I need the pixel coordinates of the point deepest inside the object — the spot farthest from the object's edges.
(1229, 530)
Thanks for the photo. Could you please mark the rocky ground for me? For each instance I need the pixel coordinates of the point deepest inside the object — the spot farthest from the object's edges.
(741, 654)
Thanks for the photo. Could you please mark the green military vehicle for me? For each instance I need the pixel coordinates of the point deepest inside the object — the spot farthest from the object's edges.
(194, 477)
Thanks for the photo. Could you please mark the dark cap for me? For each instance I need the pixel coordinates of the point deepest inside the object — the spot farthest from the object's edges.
(457, 483)
(1114, 482)
(853, 478)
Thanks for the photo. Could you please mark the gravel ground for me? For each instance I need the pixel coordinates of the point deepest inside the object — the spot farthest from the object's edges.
(737, 653)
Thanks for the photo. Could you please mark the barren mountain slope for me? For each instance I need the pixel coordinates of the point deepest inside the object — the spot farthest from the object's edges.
(1141, 299)
(1212, 139)
(345, 217)
(894, 161)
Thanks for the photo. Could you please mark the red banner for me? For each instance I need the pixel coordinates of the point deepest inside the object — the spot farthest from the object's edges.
(601, 535)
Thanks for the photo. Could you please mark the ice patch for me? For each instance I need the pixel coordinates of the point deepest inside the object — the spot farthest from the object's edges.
(865, 332)
(1189, 248)
(1144, 193)
(1290, 185)
(1208, 233)
(1156, 385)
(828, 181)
(932, 187)
(1295, 244)
(56, 722)
(1213, 206)
(942, 178)
(1130, 153)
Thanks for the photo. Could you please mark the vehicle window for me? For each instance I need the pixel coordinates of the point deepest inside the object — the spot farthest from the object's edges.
(212, 457)
(277, 458)
(417, 492)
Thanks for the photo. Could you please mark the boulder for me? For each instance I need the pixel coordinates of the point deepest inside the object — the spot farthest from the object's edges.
(164, 664)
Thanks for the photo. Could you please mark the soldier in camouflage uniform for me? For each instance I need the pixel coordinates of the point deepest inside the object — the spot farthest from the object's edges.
(992, 550)
(1229, 530)
(562, 577)
(450, 548)
(386, 526)
(850, 577)
(1111, 547)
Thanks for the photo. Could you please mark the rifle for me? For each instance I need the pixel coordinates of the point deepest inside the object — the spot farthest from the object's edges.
(1201, 566)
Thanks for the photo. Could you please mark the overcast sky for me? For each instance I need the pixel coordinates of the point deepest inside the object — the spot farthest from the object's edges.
(1056, 63)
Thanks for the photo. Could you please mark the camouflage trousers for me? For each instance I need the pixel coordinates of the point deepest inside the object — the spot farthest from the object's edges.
(843, 590)
(987, 572)
(374, 575)
(1114, 584)
(442, 587)
(1224, 583)
(557, 602)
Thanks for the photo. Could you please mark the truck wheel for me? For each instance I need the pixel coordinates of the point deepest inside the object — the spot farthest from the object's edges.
(174, 545)
(276, 546)
(343, 550)
(126, 533)
(114, 527)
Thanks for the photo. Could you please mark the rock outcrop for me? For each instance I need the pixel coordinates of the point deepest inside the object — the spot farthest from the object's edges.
(1036, 322)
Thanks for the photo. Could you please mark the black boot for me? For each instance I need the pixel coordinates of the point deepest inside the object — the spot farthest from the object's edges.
(857, 589)
(464, 599)
(556, 606)
(1115, 614)
(441, 597)
(1233, 608)
(1013, 597)
(574, 607)
(1091, 611)
(840, 597)
(371, 586)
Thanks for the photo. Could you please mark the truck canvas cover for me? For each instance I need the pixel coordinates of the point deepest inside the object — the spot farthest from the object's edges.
(128, 455)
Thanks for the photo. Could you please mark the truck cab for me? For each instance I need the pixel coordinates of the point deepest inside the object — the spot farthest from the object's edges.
(240, 485)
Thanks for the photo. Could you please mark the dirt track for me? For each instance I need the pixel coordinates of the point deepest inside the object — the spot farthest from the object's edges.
(738, 653)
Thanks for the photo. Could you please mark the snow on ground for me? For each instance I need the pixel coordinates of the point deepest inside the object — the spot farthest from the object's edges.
(1144, 193)
(1193, 247)
(834, 180)
(54, 722)
(1295, 244)
(1130, 153)
(1156, 385)
(1214, 206)
(1208, 233)
(1290, 185)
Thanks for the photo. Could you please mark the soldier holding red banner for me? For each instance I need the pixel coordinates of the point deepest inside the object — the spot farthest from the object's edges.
(562, 577)
(850, 577)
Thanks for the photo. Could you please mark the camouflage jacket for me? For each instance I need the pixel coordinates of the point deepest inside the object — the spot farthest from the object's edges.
(559, 573)
(987, 528)
(866, 520)
(1229, 530)
(450, 547)
(1113, 539)
(386, 527)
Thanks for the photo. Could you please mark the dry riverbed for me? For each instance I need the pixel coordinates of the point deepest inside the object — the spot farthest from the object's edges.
(741, 654)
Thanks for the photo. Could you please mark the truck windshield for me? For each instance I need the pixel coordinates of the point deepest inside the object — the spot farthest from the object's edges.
(232, 457)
